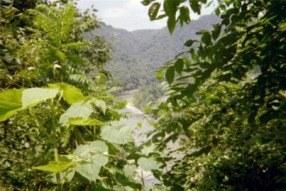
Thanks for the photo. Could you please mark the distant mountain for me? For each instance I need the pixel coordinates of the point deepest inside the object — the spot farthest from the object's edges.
(135, 55)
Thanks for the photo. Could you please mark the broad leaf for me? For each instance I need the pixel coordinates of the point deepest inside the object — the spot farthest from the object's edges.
(189, 43)
(206, 38)
(179, 65)
(55, 167)
(79, 121)
(117, 133)
(101, 105)
(65, 176)
(129, 170)
(10, 103)
(153, 10)
(216, 31)
(148, 164)
(184, 15)
(34, 96)
(171, 23)
(170, 74)
(124, 181)
(93, 157)
(71, 94)
(170, 7)
(81, 109)
(146, 2)
(196, 7)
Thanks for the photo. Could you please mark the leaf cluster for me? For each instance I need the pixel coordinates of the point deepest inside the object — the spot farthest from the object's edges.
(226, 103)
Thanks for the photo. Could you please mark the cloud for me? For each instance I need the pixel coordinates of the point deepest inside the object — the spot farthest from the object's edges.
(126, 14)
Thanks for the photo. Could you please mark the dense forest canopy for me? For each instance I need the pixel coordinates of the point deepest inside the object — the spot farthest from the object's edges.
(141, 52)
(227, 103)
(224, 108)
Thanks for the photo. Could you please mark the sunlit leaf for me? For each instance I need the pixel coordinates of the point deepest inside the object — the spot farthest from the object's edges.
(100, 104)
(153, 10)
(55, 167)
(146, 2)
(34, 96)
(71, 94)
(10, 103)
(124, 181)
(93, 156)
(79, 121)
(148, 164)
(159, 74)
(81, 109)
(129, 170)
(118, 133)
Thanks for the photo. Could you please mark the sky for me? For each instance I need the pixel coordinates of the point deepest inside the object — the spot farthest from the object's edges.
(125, 14)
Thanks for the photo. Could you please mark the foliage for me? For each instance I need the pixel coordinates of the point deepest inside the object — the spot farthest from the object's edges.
(147, 94)
(88, 158)
(226, 104)
(55, 103)
(45, 44)
(137, 54)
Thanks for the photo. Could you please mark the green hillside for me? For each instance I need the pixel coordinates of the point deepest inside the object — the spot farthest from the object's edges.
(136, 55)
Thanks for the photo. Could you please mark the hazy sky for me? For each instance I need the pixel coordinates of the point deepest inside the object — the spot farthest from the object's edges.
(126, 14)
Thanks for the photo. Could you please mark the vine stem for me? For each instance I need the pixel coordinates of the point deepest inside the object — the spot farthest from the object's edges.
(55, 144)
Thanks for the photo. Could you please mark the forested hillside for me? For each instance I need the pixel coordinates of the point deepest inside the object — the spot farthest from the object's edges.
(136, 55)
(220, 125)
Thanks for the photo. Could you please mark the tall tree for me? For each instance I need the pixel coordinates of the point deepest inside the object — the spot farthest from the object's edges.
(227, 103)
(54, 135)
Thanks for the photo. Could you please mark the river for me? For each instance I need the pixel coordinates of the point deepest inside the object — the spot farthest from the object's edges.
(135, 117)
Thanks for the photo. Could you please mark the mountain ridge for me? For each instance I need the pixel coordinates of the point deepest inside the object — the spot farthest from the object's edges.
(138, 53)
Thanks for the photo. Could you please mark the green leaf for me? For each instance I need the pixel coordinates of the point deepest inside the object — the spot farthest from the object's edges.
(170, 74)
(153, 10)
(171, 23)
(148, 149)
(34, 96)
(206, 38)
(205, 65)
(216, 31)
(71, 94)
(124, 181)
(189, 43)
(129, 170)
(179, 65)
(79, 121)
(118, 133)
(184, 15)
(81, 109)
(204, 150)
(10, 103)
(146, 2)
(65, 176)
(55, 167)
(196, 7)
(93, 157)
(101, 105)
(148, 164)
(159, 74)
(98, 187)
